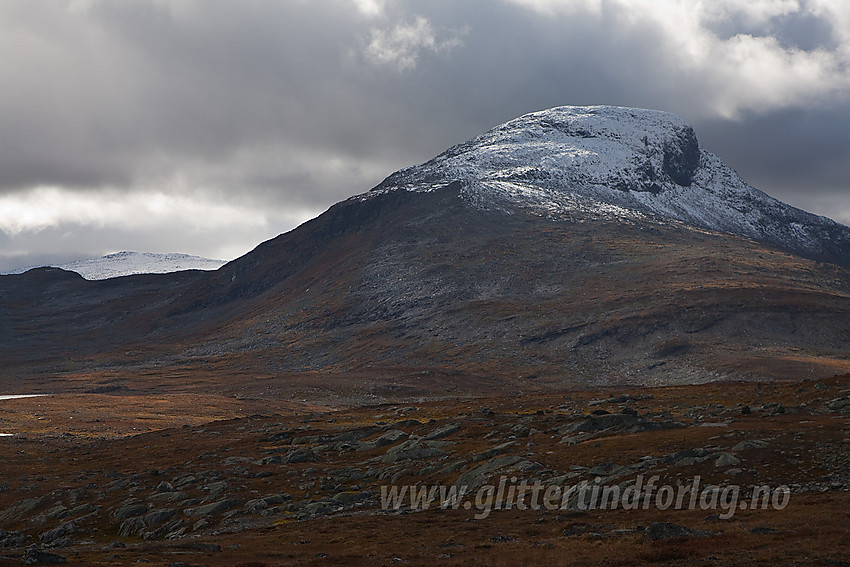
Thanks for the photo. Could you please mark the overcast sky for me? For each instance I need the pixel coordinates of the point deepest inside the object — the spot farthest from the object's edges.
(208, 126)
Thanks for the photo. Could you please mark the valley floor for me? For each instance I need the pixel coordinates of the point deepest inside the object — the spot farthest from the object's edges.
(193, 479)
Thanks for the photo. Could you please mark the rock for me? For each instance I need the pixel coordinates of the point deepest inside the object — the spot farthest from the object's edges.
(575, 529)
(254, 506)
(168, 497)
(749, 445)
(56, 512)
(416, 449)
(315, 509)
(210, 509)
(159, 516)
(561, 480)
(183, 480)
(172, 529)
(763, 530)
(490, 453)
(615, 400)
(605, 469)
(129, 511)
(271, 460)
(527, 466)
(838, 404)
(83, 510)
(349, 474)
(389, 438)
(481, 474)
(687, 457)
(727, 460)
(215, 487)
(353, 435)
(19, 510)
(453, 467)
(443, 431)
(666, 530)
(574, 439)
(283, 436)
(164, 487)
(303, 455)
(13, 539)
(633, 423)
(350, 498)
(275, 499)
(51, 536)
(35, 556)
(139, 525)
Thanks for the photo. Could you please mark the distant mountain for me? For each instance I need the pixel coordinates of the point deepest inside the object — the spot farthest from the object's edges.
(131, 263)
(590, 245)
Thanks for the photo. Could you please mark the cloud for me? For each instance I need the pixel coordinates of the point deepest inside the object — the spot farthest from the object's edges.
(50, 207)
(736, 56)
(50, 224)
(243, 117)
(370, 8)
(401, 46)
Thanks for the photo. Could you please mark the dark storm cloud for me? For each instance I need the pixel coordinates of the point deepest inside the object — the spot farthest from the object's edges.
(280, 108)
(115, 92)
(801, 156)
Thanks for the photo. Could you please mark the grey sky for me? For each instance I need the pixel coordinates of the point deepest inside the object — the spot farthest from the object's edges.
(207, 126)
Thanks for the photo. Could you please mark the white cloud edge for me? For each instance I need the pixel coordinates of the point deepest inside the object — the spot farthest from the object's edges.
(401, 45)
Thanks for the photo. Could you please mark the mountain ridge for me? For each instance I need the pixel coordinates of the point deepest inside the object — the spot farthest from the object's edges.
(449, 282)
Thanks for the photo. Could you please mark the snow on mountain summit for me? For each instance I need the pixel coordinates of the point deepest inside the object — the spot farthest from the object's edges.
(604, 161)
(642, 150)
(132, 263)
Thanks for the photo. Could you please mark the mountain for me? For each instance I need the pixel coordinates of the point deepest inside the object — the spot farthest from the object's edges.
(580, 246)
(132, 263)
(580, 162)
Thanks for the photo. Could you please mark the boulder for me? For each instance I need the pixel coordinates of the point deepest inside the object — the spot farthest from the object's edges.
(213, 508)
(667, 530)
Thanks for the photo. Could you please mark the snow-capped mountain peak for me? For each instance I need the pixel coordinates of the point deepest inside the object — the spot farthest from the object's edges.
(615, 162)
(621, 148)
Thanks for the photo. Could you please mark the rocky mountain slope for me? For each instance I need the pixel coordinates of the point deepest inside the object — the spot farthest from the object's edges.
(574, 246)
